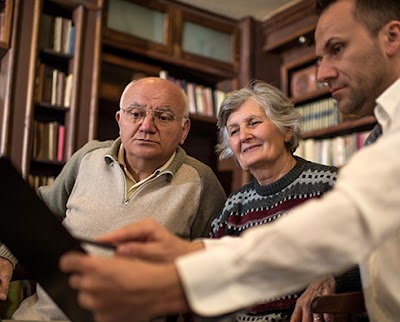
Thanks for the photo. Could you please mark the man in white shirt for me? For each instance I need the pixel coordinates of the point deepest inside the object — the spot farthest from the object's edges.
(358, 43)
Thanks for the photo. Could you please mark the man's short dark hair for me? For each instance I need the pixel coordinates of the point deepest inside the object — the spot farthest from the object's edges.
(373, 14)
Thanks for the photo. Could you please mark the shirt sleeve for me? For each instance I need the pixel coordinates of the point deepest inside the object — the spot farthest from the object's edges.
(322, 236)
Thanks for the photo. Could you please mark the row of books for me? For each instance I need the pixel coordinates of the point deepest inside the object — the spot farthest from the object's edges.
(36, 181)
(53, 86)
(335, 151)
(48, 141)
(57, 34)
(203, 100)
(2, 23)
(320, 114)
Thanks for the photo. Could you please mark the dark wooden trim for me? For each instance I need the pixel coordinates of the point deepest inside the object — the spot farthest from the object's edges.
(346, 127)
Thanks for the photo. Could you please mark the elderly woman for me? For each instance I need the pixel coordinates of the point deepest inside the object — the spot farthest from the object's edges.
(260, 128)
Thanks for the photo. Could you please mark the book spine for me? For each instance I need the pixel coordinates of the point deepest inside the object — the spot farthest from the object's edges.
(61, 142)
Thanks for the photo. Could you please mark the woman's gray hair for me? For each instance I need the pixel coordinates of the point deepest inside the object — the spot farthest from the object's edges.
(277, 107)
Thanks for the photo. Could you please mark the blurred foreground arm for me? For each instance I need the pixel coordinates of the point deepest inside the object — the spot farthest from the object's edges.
(122, 289)
(149, 240)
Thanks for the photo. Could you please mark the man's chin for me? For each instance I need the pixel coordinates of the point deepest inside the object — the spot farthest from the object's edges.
(346, 107)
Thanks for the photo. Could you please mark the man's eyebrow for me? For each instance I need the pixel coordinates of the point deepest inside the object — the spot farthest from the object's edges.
(165, 108)
(328, 43)
(136, 104)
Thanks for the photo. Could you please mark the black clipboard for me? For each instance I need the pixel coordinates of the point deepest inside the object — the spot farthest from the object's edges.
(38, 239)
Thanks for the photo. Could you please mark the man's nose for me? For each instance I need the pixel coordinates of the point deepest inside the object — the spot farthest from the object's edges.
(148, 122)
(325, 71)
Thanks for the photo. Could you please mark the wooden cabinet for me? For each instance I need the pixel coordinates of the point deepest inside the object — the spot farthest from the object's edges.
(49, 87)
(8, 28)
(6, 18)
(113, 43)
(191, 46)
(290, 36)
(173, 34)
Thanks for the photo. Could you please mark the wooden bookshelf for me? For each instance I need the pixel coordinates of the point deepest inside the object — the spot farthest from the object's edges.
(104, 60)
(50, 85)
(6, 18)
(8, 39)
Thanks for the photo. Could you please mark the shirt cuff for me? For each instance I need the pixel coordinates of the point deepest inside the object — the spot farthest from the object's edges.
(5, 253)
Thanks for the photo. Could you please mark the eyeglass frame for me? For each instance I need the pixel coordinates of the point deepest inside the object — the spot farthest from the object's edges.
(147, 112)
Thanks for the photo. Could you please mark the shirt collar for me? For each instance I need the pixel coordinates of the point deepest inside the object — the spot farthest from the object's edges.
(387, 109)
(121, 161)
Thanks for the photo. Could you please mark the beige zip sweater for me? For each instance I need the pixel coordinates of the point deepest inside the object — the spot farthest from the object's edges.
(90, 197)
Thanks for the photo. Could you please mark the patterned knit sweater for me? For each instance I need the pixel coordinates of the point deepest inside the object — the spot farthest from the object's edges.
(254, 204)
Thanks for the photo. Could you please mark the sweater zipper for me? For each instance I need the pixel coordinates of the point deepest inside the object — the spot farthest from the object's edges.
(127, 199)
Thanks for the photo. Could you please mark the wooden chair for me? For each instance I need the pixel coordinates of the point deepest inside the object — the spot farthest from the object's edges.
(346, 307)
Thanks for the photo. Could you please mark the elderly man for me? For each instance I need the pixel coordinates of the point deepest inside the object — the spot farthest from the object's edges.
(143, 173)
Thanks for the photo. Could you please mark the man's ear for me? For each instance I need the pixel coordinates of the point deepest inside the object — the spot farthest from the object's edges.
(392, 37)
(118, 118)
(185, 131)
(118, 115)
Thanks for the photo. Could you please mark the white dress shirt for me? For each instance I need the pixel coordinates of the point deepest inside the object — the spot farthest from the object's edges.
(357, 222)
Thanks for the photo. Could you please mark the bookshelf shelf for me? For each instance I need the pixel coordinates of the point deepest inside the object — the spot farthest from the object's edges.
(40, 163)
(3, 49)
(55, 58)
(203, 118)
(45, 112)
(47, 107)
(345, 127)
(321, 92)
(46, 167)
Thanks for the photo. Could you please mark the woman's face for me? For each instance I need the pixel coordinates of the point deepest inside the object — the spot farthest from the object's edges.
(254, 139)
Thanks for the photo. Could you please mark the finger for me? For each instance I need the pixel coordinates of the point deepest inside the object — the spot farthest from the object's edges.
(72, 262)
(75, 281)
(139, 231)
(135, 250)
(296, 315)
(86, 300)
(3, 293)
(4, 285)
(152, 252)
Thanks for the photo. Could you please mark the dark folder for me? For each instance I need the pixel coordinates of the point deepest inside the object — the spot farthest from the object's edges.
(38, 239)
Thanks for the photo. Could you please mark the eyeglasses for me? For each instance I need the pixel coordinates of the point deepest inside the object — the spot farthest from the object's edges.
(160, 117)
